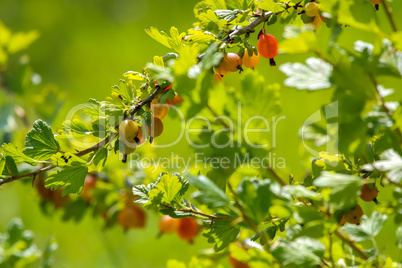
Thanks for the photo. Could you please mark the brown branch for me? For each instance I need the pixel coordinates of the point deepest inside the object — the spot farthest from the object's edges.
(13, 178)
(276, 176)
(250, 28)
(389, 16)
(352, 244)
(137, 107)
(97, 146)
(189, 210)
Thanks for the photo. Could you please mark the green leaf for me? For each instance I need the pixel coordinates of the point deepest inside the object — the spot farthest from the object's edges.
(398, 235)
(17, 155)
(297, 191)
(255, 196)
(330, 162)
(344, 188)
(175, 41)
(368, 229)
(15, 229)
(2, 163)
(40, 143)
(175, 264)
(51, 246)
(113, 106)
(93, 109)
(72, 177)
(212, 57)
(98, 160)
(135, 76)
(20, 41)
(201, 37)
(304, 43)
(166, 95)
(5, 34)
(169, 186)
(161, 37)
(175, 214)
(209, 21)
(229, 15)
(358, 14)
(125, 91)
(268, 5)
(270, 231)
(11, 167)
(77, 127)
(209, 193)
(220, 232)
(312, 76)
(391, 163)
(166, 189)
(66, 159)
(304, 252)
(142, 192)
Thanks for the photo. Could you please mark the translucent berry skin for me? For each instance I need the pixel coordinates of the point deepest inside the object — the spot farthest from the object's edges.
(317, 22)
(187, 229)
(128, 130)
(168, 225)
(156, 127)
(237, 264)
(159, 110)
(267, 46)
(89, 185)
(231, 63)
(217, 78)
(250, 62)
(132, 217)
(355, 215)
(312, 9)
(368, 194)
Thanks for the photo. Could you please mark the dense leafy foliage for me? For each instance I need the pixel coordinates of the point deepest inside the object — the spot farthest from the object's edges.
(248, 212)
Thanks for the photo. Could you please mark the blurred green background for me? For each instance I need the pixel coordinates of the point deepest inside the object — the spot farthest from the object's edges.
(84, 48)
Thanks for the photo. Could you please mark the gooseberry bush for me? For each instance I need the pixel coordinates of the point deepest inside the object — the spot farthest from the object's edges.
(253, 216)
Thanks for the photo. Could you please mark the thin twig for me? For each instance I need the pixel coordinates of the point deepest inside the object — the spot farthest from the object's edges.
(223, 123)
(246, 218)
(249, 28)
(352, 244)
(276, 176)
(389, 16)
(189, 210)
(138, 106)
(13, 178)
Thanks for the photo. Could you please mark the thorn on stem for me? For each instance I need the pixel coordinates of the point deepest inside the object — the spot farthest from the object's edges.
(33, 180)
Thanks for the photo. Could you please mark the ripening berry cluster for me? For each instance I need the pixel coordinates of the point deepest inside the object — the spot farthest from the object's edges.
(267, 47)
(131, 133)
(368, 193)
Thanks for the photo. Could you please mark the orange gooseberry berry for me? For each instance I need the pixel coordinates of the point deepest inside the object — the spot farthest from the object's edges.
(250, 61)
(267, 46)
